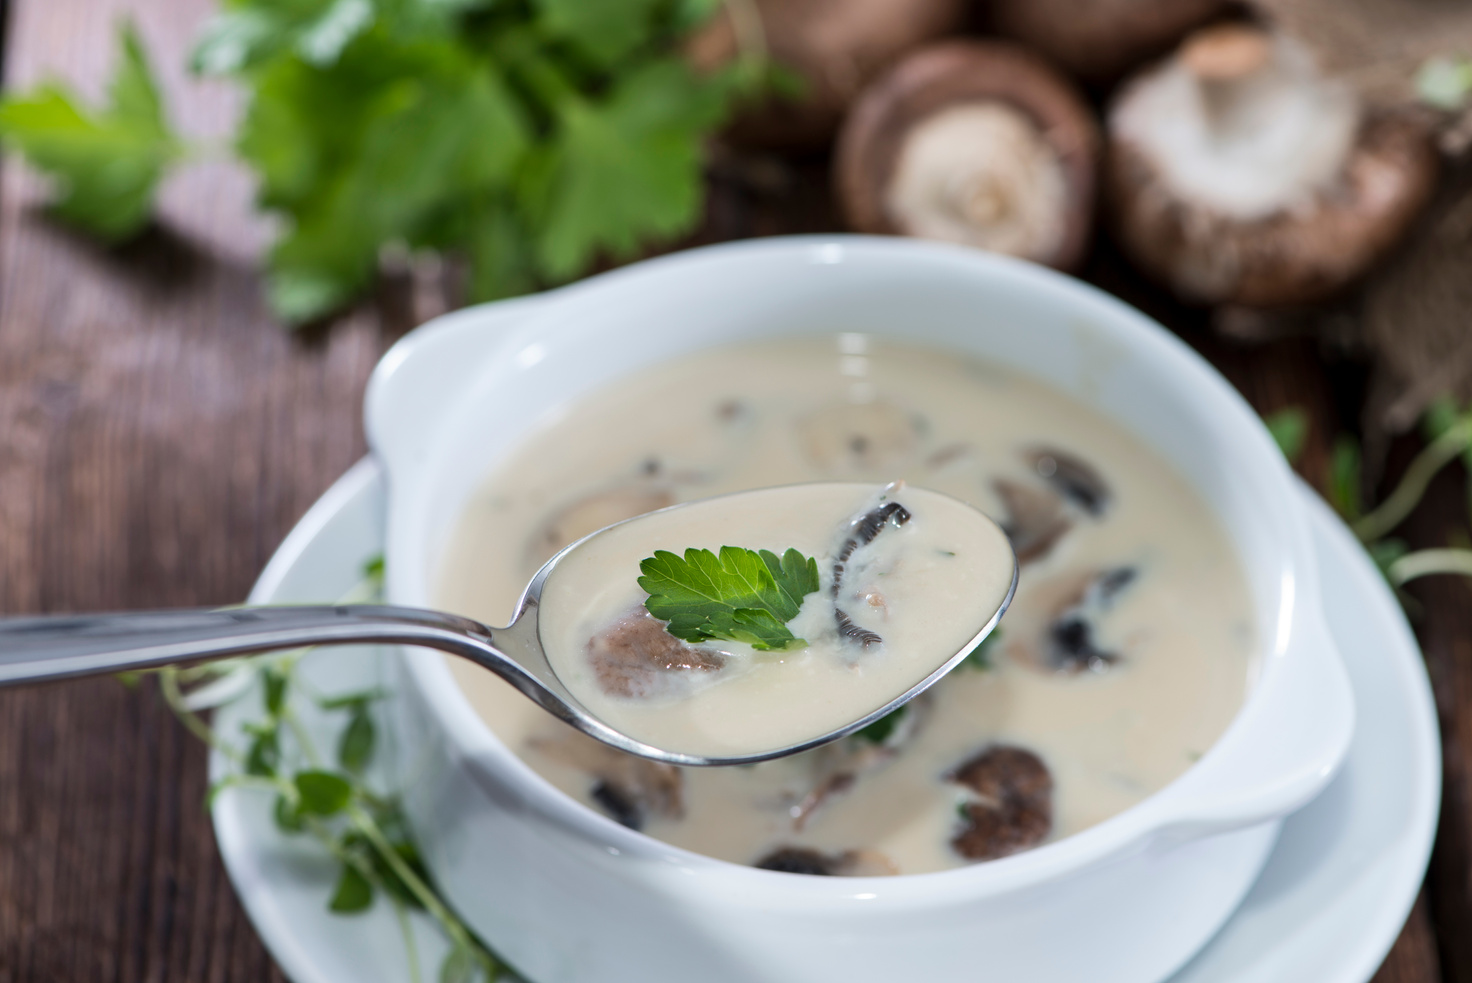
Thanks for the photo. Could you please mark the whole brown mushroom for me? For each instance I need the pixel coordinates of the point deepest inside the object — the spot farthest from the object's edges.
(1239, 173)
(1099, 40)
(833, 47)
(974, 142)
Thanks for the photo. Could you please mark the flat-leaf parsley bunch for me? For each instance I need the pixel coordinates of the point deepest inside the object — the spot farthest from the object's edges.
(529, 136)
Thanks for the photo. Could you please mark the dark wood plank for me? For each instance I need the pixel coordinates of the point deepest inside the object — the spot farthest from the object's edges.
(1443, 620)
(161, 436)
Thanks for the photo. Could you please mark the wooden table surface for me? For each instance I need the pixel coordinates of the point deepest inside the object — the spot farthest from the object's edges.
(159, 435)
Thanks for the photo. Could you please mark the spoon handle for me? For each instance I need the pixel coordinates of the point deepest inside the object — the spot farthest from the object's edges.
(59, 646)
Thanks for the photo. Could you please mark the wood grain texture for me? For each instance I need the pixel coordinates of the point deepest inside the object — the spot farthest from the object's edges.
(159, 435)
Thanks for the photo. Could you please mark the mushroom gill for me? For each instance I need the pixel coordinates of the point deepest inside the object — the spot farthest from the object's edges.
(1239, 173)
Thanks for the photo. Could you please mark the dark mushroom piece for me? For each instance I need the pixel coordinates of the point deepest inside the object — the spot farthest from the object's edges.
(1238, 173)
(833, 47)
(849, 863)
(1071, 645)
(635, 657)
(1013, 806)
(1035, 519)
(1072, 477)
(865, 530)
(1099, 40)
(975, 142)
(628, 788)
(1038, 517)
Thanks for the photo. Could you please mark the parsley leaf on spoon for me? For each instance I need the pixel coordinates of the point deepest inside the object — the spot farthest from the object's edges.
(741, 595)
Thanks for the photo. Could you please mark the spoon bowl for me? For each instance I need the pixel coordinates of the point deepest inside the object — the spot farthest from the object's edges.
(36, 649)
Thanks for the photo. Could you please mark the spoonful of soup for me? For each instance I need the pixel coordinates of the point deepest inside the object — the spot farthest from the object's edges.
(724, 631)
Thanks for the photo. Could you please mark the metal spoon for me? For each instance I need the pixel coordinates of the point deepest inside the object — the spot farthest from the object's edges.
(35, 649)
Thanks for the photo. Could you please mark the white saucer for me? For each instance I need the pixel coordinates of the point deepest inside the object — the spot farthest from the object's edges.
(1328, 906)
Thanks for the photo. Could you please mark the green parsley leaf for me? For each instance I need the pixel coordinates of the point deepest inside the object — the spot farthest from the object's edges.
(250, 32)
(322, 793)
(106, 164)
(743, 595)
(1289, 428)
(604, 30)
(413, 130)
(353, 892)
(625, 168)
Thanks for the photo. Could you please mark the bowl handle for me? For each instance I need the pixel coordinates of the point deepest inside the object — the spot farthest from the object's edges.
(416, 381)
(1293, 740)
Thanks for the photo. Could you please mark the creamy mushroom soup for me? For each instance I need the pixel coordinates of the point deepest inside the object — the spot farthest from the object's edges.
(1125, 653)
(854, 596)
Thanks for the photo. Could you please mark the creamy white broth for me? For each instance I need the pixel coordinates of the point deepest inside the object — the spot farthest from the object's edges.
(915, 588)
(1177, 638)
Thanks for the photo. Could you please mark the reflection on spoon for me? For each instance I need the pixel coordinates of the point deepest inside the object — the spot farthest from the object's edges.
(725, 631)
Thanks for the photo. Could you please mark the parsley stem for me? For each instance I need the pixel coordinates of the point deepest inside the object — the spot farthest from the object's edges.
(1423, 563)
(1407, 495)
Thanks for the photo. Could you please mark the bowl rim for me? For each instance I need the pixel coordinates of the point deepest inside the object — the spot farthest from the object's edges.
(488, 759)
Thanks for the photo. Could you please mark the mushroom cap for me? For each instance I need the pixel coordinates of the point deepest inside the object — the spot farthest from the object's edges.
(1099, 40)
(926, 88)
(835, 47)
(1261, 236)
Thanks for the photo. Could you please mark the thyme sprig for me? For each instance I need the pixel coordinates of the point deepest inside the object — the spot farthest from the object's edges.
(329, 799)
(1448, 430)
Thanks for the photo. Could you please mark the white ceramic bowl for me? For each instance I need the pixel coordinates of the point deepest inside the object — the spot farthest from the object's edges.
(571, 897)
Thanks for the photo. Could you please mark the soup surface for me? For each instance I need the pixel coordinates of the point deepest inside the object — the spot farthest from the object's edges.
(862, 593)
(1125, 653)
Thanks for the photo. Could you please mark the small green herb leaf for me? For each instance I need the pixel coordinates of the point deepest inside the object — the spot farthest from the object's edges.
(322, 792)
(106, 163)
(355, 747)
(459, 966)
(264, 755)
(1289, 428)
(273, 691)
(287, 816)
(1344, 478)
(373, 568)
(353, 892)
(980, 658)
(880, 730)
(743, 595)
(605, 30)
